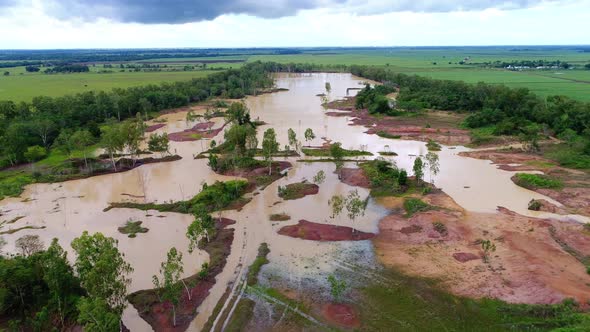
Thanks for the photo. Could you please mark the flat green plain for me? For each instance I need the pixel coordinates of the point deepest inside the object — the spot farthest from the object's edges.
(439, 63)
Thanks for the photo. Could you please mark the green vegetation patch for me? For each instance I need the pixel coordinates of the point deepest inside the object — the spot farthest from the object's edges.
(241, 316)
(279, 217)
(215, 197)
(386, 180)
(387, 153)
(536, 181)
(297, 190)
(323, 152)
(260, 260)
(433, 146)
(415, 205)
(384, 134)
(131, 228)
(413, 304)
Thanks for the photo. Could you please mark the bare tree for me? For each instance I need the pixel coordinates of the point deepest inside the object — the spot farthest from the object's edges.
(29, 244)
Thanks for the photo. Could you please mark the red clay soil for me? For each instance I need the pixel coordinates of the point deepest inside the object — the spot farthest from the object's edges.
(323, 232)
(154, 127)
(252, 174)
(355, 177)
(200, 130)
(443, 125)
(575, 194)
(465, 256)
(159, 315)
(536, 260)
(341, 315)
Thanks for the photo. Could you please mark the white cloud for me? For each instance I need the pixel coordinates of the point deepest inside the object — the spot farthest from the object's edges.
(550, 23)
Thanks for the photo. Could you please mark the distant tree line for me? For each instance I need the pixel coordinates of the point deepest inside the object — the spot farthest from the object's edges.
(12, 64)
(71, 68)
(526, 63)
(40, 122)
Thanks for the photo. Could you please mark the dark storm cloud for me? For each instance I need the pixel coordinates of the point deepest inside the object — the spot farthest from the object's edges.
(178, 11)
(182, 11)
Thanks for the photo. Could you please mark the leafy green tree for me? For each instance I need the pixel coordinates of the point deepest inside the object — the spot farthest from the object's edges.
(530, 138)
(64, 287)
(337, 204)
(292, 138)
(337, 153)
(270, 146)
(239, 114)
(113, 141)
(319, 178)
(159, 143)
(168, 284)
(418, 169)
(133, 132)
(337, 287)
(103, 273)
(44, 127)
(355, 205)
(309, 135)
(80, 140)
(202, 227)
(64, 143)
(35, 153)
(433, 164)
(97, 316)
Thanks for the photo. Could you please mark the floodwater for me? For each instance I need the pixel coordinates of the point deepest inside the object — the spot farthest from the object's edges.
(67, 209)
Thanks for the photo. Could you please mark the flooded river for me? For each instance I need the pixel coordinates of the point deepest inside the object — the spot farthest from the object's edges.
(67, 209)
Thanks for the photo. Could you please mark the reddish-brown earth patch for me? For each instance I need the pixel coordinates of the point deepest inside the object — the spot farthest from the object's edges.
(439, 126)
(355, 177)
(154, 127)
(323, 232)
(341, 315)
(159, 315)
(575, 194)
(536, 260)
(200, 130)
(465, 256)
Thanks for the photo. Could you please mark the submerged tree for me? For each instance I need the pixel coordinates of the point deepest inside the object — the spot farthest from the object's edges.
(487, 246)
(202, 227)
(169, 284)
(337, 153)
(309, 135)
(81, 140)
(159, 143)
(433, 164)
(292, 139)
(418, 169)
(112, 140)
(319, 178)
(270, 146)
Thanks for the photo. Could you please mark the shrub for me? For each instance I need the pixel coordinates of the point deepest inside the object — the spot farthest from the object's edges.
(440, 227)
(535, 205)
(535, 181)
(415, 205)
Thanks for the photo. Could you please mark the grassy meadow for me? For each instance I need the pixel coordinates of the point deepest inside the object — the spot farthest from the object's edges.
(439, 63)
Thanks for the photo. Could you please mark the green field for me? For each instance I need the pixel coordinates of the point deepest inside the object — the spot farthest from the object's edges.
(25, 87)
(439, 63)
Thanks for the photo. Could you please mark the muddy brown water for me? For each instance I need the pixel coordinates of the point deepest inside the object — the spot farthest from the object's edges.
(67, 209)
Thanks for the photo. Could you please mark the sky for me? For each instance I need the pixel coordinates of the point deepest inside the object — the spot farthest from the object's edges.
(52, 24)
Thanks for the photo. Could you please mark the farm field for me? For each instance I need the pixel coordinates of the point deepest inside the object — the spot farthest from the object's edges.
(25, 87)
(439, 63)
